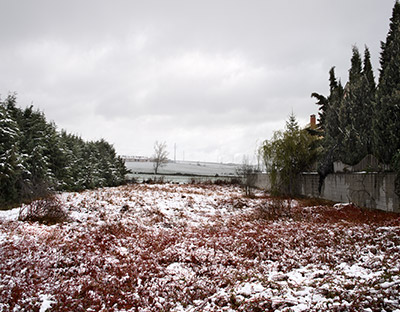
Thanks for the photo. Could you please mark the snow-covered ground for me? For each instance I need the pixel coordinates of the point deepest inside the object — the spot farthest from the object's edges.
(199, 248)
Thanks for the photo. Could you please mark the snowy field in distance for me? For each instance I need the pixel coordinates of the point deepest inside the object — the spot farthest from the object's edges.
(186, 168)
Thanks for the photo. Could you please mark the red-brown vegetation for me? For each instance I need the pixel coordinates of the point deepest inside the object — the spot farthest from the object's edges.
(200, 248)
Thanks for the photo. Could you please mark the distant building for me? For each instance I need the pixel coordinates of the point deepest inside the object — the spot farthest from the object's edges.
(136, 158)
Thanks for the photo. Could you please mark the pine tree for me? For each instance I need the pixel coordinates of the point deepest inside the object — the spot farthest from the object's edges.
(73, 150)
(10, 165)
(56, 155)
(36, 159)
(387, 125)
(37, 178)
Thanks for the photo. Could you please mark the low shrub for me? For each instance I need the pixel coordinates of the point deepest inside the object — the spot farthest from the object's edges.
(276, 208)
(48, 211)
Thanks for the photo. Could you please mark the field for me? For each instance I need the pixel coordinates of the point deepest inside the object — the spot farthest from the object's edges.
(168, 247)
(186, 168)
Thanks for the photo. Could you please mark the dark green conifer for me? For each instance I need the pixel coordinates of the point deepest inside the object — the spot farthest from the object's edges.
(367, 113)
(333, 134)
(351, 114)
(387, 121)
(36, 159)
(10, 164)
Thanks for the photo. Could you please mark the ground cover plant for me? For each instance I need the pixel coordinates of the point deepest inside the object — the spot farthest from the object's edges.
(164, 247)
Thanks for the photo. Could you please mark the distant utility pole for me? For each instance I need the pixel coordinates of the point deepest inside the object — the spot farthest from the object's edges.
(175, 153)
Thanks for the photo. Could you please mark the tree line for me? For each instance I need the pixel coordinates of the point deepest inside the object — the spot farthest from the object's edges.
(364, 117)
(36, 158)
(354, 120)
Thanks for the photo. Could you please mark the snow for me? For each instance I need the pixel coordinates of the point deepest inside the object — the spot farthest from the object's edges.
(3, 237)
(193, 248)
(9, 215)
(186, 167)
(46, 303)
(250, 288)
(180, 271)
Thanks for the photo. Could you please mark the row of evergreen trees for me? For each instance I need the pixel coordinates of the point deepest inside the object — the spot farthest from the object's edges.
(364, 118)
(35, 158)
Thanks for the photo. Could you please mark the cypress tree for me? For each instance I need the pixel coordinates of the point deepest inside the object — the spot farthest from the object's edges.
(367, 112)
(368, 74)
(387, 125)
(330, 126)
(333, 134)
(351, 114)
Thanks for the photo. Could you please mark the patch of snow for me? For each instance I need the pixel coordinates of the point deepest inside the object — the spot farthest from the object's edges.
(358, 271)
(250, 288)
(340, 206)
(180, 270)
(296, 276)
(388, 284)
(46, 302)
(10, 215)
(3, 237)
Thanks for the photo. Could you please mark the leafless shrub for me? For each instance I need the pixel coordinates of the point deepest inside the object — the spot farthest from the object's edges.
(248, 177)
(48, 210)
(277, 208)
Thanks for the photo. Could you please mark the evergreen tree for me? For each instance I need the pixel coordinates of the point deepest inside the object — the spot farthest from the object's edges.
(36, 159)
(38, 177)
(111, 171)
(387, 125)
(330, 126)
(333, 134)
(10, 165)
(351, 114)
(107, 163)
(367, 112)
(347, 114)
(74, 153)
(323, 102)
(368, 73)
(56, 155)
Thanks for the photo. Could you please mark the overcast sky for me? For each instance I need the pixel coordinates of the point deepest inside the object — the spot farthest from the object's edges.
(216, 77)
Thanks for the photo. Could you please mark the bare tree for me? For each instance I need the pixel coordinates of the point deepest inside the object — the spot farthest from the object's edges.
(160, 157)
(247, 172)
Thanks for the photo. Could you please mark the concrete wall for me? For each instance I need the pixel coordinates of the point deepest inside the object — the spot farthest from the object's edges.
(371, 190)
(261, 181)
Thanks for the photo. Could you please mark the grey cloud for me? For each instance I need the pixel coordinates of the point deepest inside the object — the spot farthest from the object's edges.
(214, 76)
